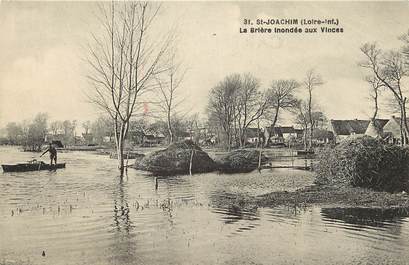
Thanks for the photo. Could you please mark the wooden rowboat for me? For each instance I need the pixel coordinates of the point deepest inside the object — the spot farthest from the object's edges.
(31, 166)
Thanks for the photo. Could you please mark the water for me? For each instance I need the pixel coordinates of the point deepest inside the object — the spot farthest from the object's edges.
(85, 215)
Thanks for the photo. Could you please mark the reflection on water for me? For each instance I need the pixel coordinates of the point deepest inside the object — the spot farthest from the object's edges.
(85, 214)
(121, 208)
(123, 238)
(363, 217)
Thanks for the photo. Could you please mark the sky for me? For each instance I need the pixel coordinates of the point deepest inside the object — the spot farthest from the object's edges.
(43, 69)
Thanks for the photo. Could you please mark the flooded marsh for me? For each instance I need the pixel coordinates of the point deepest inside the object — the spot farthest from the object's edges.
(85, 214)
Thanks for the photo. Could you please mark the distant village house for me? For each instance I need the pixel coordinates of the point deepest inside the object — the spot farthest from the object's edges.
(254, 135)
(391, 130)
(343, 129)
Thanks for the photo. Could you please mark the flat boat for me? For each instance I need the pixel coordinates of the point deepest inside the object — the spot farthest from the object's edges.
(31, 166)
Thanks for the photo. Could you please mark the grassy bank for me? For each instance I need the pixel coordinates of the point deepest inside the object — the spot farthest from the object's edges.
(336, 196)
(322, 195)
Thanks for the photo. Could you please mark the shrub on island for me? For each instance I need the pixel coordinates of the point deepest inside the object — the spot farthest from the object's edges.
(364, 162)
(240, 160)
(175, 159)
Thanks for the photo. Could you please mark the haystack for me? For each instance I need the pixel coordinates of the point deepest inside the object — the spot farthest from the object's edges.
(240, 161)
(175, 159)
(364, 162)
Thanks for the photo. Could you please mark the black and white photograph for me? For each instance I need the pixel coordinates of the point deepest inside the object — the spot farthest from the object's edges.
(204, 132)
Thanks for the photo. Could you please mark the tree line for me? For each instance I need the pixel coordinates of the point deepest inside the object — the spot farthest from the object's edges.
(28, 133)
(31, 134)
(239, 102)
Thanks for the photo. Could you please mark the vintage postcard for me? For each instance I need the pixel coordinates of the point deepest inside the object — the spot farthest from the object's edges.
(189, 132)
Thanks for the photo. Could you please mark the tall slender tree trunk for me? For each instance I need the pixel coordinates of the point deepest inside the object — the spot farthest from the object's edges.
(228, 141)
(258, 133)
(311, 132)
(170, 136)
(375, 114)
(241, 137)
(273, 125)
(243, 130)
(120, 151)
(404, 121)
(120, 133)
(170, 129)
(401, 130)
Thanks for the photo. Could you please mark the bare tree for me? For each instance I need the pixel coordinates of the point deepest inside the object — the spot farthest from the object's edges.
(168, 93)
(222, 105)
(311, 81)
(376, 85)
(389, 68)
(252, 104)
(281, 96)
(304, 119)
(123, 62)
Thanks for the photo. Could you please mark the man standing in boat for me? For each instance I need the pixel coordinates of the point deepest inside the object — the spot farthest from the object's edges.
(53, 153)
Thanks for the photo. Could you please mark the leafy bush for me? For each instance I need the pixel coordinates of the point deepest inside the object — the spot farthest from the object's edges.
(365, 162)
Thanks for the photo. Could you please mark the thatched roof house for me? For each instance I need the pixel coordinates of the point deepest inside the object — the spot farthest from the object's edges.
(280, 134)
(322, 136)
(392, 130)
(343, 129)
(375, 128)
